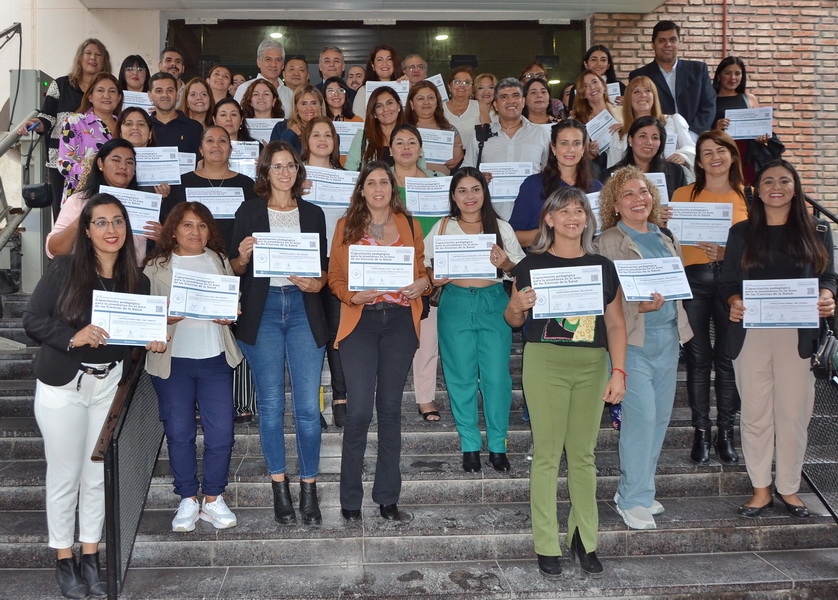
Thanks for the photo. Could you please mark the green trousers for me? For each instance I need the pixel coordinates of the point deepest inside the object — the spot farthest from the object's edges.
(474, 344)
(564, 387)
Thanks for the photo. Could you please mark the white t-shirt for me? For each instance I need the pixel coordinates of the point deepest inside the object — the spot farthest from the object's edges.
(196, 338)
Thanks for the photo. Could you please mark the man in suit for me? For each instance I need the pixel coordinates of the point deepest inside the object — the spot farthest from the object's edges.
(684, 86)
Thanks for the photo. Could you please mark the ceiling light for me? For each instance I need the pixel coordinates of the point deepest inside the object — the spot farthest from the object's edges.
(441, 37)
(276, 35)
(554, 81)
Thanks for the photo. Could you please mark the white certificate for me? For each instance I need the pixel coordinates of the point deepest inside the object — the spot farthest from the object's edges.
(385, 268)
(593, 200)
(671, 145)
(284, 254)
(749, 123)
(659, 181)
(614, 91)
(402, 88)
(222, 202)
(130, 319)
(781, 303)
(243, 158)
(139, 99)
(507, 178)
(203, 296)
(330, 187)
(693, 222)
(567, 292)
(261, 129)
(346, 131)
(186, 162)
(440, 85)
(464, 256)
(599, 129)
(158, 165)
(641, 278)
(437, 145)
(140, 206)
(427, 196)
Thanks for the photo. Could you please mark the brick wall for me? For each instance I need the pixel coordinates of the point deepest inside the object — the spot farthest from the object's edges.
(790, 49)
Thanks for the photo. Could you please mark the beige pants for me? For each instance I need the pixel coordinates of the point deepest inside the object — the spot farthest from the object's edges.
(425, 360)
(778, 394)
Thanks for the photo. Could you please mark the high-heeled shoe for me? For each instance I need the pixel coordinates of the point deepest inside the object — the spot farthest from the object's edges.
(725, 449)
(309, 506)
(588, 561)
(68, 576)
(795, 510)
(471, 462)
(700, 453)
(89, 565)
(283, 509)
(549, 566)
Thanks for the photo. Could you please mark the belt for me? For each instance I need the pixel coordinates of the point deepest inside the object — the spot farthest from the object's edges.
(384, 305)
(98, 371)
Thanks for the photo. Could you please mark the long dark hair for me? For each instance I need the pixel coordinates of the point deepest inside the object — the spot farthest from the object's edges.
(87, 104)
(734, 175)
(166, 242)
(94, 176)
(358, 214)
(134, 60)
(371, 75)
(262, 187)
(346, 111)
(377, 145)
(726, 62)
(76, 299)
(243, 134)
(439, 114)
(610, 74)
(488, 216)
(127, 112)
(552, 176)
(527, 86)
(334, 157)
(657, 163)
(804, 245)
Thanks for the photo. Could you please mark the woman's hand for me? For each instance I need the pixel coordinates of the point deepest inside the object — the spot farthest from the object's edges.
(487, 176)
(615, 389)
(308, 284)
(158, 347)
(163, 189)
(363, 297)
(713, 251)
(24, 128)
(722, 124)
(246, 250)
(152, 230)
(826, 304)
(737, 309)
(523, 299)
(618, 100)
(415, 289)
(307, 185)
(223, 321)
(763, 139)
(172, 320)
(677, 159)
(593, 149)
(651, 305)
(90, 335)
(665, 214)
(500, 259)
(614, 127)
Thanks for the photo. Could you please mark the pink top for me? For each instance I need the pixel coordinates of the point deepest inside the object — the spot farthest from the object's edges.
(81, 137)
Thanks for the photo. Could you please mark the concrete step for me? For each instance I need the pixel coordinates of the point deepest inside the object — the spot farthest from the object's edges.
(16, 364)
(13, 305)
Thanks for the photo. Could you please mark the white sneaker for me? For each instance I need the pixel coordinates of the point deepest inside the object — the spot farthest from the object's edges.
(187, 515)
(656, 508)
(529, 453)
(218, 514)
(637, 517)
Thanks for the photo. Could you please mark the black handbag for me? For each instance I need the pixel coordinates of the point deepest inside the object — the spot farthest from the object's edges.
(37, 195)
(823, 359)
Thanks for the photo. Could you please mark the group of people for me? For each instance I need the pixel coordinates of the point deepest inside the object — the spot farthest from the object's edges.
(573, 366)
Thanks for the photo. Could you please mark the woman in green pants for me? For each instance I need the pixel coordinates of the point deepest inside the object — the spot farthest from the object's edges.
(566, 378)
(474, 340)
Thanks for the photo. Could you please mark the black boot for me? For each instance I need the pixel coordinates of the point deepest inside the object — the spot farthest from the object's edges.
(588, 561)
(701, 447)
(724, 447)
(90, 574)
(283, 509)
(549, 566)
(309, 508)
(69, 578)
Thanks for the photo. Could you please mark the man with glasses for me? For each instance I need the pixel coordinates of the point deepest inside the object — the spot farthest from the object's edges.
(415, 69)
(270, 58)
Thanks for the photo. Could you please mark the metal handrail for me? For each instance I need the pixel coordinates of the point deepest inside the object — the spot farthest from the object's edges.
(13, 216)
(821, 210)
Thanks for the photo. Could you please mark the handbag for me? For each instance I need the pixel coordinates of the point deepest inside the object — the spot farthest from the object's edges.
(37, 195)
(824, 357)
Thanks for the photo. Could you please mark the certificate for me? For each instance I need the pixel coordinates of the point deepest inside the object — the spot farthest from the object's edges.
(659, 181)
(203, 296)
(385, 268)
(130, 319)
(593, 200)
(158, 165)
(781, 303)
(186, 162)
(261, 129)
(346, 131)
(614, 91)
(671, 145)
(693, 222)
(427, 196)
(437, 145)
(641, 278)
(440, 85)
(284, 254)
(599, 129)
(243, 158)
(221, 202)
(402, 88)
(330, 187)
(137, 99)
(464, 256)
(749, 123)
(140, 206)
(507, 177)
(567, 292)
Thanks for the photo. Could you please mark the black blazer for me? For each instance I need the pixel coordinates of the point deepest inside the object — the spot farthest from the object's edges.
(253, 216)
(693, 88)
(54, 364)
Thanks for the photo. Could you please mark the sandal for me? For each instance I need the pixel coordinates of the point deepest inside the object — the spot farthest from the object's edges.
(429, 414)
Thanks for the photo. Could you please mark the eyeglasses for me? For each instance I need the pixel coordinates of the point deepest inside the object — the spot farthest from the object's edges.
(420, 67)
(137, 69)
(335, 91)
(102, 224)
(537, 75)
(462, 82)
(279, 168)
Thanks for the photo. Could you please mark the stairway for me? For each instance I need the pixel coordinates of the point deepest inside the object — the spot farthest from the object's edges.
(469, 536)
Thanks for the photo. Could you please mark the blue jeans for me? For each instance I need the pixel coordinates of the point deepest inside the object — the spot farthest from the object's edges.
(285, 335)
(209, 381)
(647, 407)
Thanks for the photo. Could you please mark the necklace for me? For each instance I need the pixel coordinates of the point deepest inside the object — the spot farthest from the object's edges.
(377, 229)
(209, 181)
(553, 252)
(102, 281)
(516, 126)
(469, 222)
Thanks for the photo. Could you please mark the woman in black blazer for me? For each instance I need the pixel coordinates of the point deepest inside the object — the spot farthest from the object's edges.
(283, 322)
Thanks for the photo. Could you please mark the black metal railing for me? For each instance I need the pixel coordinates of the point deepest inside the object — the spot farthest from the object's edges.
(128, 445)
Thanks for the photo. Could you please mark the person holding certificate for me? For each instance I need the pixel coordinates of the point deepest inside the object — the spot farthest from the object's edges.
(308, 104)
(228, 114)
(629, 206)
(77, 377)
(282, 323)
(567, 166)
(462, 110)
(196, 101)
(474, 339)
(113, 165)
(196, 370)
(261, 101)
(378, 334)
(538, 106)
(384, 112)
(383, 64)
(424, 110)
(134, 125)
(338, 106)
(780, 240)
(133, 74)
(566, 378)
(718, 178)
(591, 99)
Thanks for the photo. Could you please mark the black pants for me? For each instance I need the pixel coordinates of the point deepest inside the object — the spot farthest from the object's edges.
(56, 184)
(702, 354)
(331, 305)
